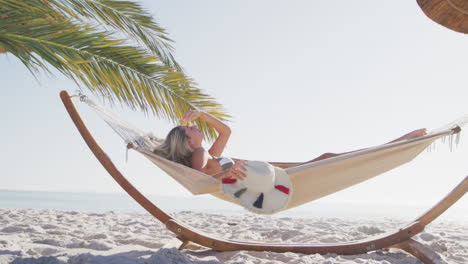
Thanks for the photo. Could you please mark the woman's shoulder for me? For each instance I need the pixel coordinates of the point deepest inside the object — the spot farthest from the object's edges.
(200, 154)
(200, 151)
(200, 159)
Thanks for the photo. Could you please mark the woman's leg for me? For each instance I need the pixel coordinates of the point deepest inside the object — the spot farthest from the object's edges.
(410, 135)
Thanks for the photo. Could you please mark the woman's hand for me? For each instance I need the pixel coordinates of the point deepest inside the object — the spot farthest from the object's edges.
(191, 115)
(237, 171)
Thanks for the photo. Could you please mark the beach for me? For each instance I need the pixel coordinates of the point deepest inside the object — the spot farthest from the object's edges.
(71, 236)
(281, 81)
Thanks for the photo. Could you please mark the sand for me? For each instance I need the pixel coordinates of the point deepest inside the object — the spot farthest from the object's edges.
(53, 236)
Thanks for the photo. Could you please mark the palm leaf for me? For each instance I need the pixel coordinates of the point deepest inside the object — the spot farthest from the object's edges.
(126, 17)
(41, 38)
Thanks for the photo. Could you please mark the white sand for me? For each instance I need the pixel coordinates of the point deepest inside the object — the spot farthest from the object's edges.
(51, 236)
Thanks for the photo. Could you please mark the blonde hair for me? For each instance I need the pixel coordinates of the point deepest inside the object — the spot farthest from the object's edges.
(176, 147)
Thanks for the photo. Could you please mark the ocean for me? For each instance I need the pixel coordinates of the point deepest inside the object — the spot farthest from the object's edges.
(121, 202)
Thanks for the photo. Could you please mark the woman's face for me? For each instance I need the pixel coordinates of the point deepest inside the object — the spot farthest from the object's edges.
(194, 135)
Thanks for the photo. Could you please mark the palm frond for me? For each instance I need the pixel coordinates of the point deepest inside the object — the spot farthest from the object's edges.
(40, 38)
(127, 17)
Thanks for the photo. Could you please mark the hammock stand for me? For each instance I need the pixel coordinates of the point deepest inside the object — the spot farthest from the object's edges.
(401, 238)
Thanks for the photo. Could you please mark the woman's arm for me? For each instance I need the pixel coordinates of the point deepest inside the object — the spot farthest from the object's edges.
(237, 171)
(224, 131)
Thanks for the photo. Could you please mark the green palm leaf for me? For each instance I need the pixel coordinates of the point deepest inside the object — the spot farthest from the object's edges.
(126, 17)
(42, 37)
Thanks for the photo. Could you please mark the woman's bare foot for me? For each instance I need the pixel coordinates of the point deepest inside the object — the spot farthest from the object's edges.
(414, 134)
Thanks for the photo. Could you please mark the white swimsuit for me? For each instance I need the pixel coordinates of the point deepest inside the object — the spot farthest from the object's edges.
(225, 162)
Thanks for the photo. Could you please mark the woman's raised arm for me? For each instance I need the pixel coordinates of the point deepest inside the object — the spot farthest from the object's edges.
(224, 131)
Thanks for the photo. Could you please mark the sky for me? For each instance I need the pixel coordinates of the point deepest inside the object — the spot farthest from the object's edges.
(300, 78)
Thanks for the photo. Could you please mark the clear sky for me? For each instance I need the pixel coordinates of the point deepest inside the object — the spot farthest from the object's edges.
(299, 78)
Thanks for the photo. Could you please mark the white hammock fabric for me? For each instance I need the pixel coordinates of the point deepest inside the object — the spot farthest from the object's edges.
(310, 181)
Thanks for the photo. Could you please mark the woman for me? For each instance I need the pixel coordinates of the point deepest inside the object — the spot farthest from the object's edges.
(183, 144)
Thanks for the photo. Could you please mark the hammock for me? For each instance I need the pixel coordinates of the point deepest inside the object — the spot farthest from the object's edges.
(309, 181)
(186, 235)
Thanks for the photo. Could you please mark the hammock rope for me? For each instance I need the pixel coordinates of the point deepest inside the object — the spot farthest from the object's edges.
(453, 139)
(127, 131)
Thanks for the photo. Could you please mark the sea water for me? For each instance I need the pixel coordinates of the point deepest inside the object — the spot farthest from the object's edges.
(121, 202)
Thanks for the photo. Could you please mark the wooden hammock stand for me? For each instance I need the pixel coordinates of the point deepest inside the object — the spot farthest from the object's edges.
(401, 239)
